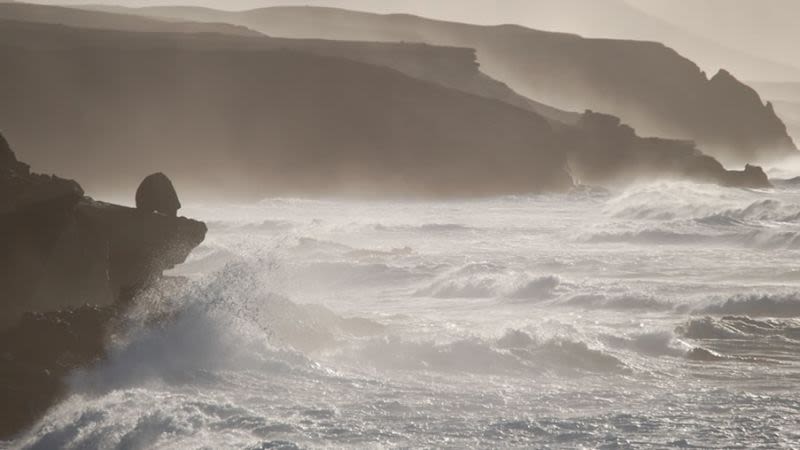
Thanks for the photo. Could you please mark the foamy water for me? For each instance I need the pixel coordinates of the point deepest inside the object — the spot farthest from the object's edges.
(666, 315)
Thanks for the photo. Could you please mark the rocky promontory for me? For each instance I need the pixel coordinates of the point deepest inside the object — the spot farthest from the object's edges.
(68, 265)
(604, 151)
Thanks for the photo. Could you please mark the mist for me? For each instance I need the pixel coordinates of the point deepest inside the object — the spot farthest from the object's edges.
(399, 224)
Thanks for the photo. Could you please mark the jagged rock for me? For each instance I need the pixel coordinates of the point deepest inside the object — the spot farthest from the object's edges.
(605, 151)
(60, 251)
(7, 156)
(751, 176)
(157, 194)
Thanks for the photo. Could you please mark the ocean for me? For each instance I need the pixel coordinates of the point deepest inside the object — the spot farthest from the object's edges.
(664, 315)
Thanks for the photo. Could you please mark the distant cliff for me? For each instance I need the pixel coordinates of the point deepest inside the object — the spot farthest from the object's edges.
(290, 122)
(68, 265)
(604, 151)
(648, 85)
(454, 67)
(269, 122)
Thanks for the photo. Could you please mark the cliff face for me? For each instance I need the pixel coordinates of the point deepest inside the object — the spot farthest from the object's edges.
(270, 122)
(285, 122)
(650, 86)
(604, 151)
(61, 251)
(785, 99)
(452, 67)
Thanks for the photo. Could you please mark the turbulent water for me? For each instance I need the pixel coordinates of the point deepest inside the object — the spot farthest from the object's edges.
(667, 315)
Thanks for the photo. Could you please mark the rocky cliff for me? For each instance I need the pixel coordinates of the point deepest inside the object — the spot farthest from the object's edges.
(454, 67)
(270, 122)
(59, 252)
(604, 151)
(288, 122)
(648, 85)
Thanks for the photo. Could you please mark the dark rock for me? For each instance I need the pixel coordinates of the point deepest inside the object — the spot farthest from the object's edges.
(751, 176)
(157, 194)
(7, 157)
(60, 251)
(38, 352)
(605, 151)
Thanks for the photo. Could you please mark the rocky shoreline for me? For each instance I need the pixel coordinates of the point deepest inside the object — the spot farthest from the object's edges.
(71, 265)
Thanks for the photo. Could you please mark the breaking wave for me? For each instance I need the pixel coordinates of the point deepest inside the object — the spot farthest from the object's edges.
(225, 322)
(654, 344)
(491, 281)
(765, 238)
(735, 327)
(515, 352)
(620, 302)
(756, 305)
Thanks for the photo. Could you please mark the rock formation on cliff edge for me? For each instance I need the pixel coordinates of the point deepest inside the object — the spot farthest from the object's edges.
(68, 264)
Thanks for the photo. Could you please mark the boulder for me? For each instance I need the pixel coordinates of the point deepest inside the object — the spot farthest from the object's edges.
(157, 194)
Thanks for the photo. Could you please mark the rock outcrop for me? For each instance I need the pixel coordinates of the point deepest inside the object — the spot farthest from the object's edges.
(59, 252)
(604, 151)
(157, 194)
(38, 352)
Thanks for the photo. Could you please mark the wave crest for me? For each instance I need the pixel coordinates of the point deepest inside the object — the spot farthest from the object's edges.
(757, 305)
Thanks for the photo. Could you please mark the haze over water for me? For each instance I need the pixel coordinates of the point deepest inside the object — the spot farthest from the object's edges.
(647, 297)
(596, 319)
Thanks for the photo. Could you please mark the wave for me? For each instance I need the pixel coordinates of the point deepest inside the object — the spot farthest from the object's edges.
(739, 328)
(764, 239)
(155, 419)
(467, 288)
(620, 303)
(310, 247)
(654, 343)
(676, 200)
(515, 352)
(655, 236)
(425, 228)
(348, 275)
(226, 322)
(756, 305)
(483, 280)
(538, 288)
(765, 210)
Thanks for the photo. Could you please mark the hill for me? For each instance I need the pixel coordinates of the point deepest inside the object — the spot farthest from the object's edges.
(651, 86)
(230, 119)
(266, 121)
